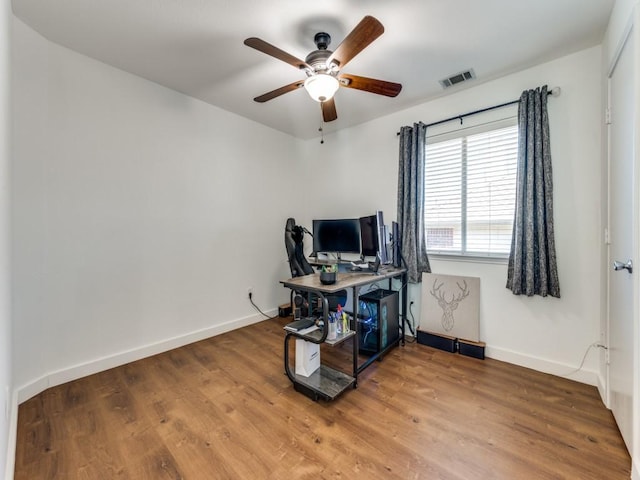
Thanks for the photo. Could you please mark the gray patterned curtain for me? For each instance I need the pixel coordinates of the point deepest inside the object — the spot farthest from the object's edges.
(411, 200)
(532, 262)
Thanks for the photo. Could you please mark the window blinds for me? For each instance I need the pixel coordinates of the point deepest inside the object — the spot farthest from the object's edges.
(470, 192)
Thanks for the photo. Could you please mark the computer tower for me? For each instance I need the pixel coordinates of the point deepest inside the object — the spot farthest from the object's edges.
(378, 322)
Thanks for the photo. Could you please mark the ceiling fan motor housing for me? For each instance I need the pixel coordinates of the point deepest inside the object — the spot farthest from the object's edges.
(318, 58)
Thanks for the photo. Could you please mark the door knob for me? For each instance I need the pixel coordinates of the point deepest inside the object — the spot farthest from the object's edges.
(619, 265)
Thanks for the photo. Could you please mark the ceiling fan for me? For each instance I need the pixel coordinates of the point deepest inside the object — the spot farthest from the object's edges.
(323, 67)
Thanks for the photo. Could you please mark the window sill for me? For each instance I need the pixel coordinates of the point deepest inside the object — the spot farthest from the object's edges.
(469, 258)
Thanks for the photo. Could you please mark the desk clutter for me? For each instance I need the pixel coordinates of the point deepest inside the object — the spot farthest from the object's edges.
(338, 325)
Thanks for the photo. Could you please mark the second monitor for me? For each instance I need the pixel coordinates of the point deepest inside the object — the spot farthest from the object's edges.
(375, 237)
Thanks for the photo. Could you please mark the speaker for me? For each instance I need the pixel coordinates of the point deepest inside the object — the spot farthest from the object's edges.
(396, 243)
(441, 342)
(284, 310)
(382, 238)
(471, 349)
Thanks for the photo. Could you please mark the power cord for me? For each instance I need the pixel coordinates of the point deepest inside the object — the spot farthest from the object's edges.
(411, 324)
(584, 357)
(256, 306)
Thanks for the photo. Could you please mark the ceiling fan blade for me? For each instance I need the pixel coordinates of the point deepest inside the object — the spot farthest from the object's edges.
(362, 35)
(275, 52)
(279, 91)
(372, 85)
(329, 113)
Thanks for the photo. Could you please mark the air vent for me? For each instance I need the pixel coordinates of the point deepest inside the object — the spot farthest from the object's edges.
(458, 78)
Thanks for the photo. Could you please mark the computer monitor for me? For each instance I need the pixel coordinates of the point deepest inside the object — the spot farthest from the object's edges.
(375, 237)
(336, 236)
(383, 238)
(369, 234)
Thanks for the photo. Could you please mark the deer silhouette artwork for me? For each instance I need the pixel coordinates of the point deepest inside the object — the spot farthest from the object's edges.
(448, 306)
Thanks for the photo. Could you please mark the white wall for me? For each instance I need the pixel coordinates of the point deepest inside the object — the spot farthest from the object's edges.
(360, 165)
(140, 216)
(7, 409)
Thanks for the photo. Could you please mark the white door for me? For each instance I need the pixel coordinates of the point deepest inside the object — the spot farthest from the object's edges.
(622, 224)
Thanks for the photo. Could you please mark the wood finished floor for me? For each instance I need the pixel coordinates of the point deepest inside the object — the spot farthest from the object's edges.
(222, 408)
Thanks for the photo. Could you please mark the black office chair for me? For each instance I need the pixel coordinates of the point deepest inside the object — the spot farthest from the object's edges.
(293, 237)
(293, 241)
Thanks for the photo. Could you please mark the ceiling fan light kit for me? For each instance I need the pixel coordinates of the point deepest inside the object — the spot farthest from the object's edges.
(321, 86)
(323, 67)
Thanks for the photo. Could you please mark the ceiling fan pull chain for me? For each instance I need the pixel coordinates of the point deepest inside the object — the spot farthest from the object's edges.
(321, 129)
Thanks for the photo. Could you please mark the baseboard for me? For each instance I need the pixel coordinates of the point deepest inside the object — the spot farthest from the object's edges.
(590, 377)
(602, 390)
(635, 471)
(58, 377)
(11, 441)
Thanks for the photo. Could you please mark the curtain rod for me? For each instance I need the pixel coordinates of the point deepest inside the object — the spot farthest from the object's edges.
(554, 91)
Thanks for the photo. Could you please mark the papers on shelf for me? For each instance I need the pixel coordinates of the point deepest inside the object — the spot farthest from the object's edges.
(304, 331)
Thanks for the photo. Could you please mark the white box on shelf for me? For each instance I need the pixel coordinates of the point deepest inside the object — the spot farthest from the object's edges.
(307, 357)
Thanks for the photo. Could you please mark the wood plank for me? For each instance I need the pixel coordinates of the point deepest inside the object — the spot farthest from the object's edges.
(223, 408)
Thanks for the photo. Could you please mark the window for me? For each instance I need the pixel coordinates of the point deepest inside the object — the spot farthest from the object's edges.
(439, 237)
(470, 187)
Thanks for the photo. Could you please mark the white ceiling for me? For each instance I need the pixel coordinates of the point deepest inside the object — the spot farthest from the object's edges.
(196, 46)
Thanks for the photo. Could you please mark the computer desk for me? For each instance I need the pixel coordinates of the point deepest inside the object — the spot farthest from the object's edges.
(327, 382)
